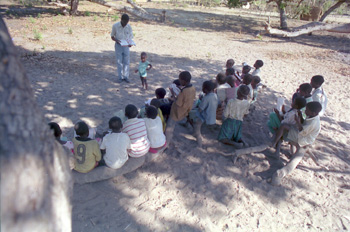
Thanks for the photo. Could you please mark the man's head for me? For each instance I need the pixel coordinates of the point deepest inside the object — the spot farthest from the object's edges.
(124, 20)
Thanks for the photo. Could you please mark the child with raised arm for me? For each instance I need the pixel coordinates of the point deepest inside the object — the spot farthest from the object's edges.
(144, 66)
(136, 130)
(231, 129)
(86, 151)
(206, 112)
(182, 105)
(301, 136)
(257, 65)
(115, 145)
(154, 129)
(318, 94)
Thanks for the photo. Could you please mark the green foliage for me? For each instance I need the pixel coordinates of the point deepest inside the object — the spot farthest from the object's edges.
(44, 28)
(185, 29)
(39, 16)
(95, 18)
(234, 3)
(87, 13)
(31, 19)
(115, 17)
(70, 31)
(37, 35)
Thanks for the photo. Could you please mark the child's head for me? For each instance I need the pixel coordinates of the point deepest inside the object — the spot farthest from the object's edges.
(256, 80)
(143, 56)
(56, 129)
(317, 81)
(230, 63)
(247, 79)
(160, 93)
(131, 111)
(115, 124)
(221, 78)
(230, 71)
(243, 92)
(155, 102)
(151, 112)
(258, 64)
(208, 86)
(230, 81)
(177, 82)
(185, 78)
(246, 69)
(299, 103)
(305, 89)
(81, 129)
(313, 108)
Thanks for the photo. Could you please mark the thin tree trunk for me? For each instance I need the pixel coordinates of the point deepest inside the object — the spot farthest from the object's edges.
(283, 16)
(335, 6)
(74, 7)
(35, 177)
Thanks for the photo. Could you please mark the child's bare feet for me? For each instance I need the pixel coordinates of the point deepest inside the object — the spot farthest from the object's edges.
(277, 177)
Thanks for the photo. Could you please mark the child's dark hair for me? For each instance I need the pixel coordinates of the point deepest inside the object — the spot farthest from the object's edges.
(318, 79)
(256, 79)
(185, 76)
(177, 82)
(81, 128)
(246, 69)
(314, 107)
(143, 54)
(230, 71)
(56, 129)
(160, 92)
(131, 111)
(247, 79)
(259, 63)
(230, 61)
(221, 78)
(208, 86)
(299, 102)
(306, 87)
(115, 123)
(155, 102)
(243, 90)
(151, 112)
(230, 81)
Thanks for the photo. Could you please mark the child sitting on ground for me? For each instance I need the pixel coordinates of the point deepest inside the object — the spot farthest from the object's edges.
(230, 92)
(318, 94)
(115, 145)
(231, 129)
(165, 104)
(257, 65)
(58, 133)
(255, 86)
(230, 72)
(247, 80)
(206, 112)
(86, 151)
(136, 130)
(154, 129)
(144, 66)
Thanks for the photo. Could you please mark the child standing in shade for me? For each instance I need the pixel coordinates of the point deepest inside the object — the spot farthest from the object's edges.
(136, 130)
(144, 66)
(115, 144)
(231, 129)
(319, 94)
(154, 129)
(86, 151)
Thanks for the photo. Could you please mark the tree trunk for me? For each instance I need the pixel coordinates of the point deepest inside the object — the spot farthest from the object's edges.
(283, 16)
(310, 27)
(74, 7)
(335, 6)
(35, 178)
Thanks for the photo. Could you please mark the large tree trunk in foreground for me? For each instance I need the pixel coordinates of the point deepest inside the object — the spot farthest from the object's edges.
(331, 9)
(135, 10)
(310, 27)
(35, 177)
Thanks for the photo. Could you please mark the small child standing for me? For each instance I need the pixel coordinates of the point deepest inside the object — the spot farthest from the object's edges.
(115, 144)
(86, 151)
(318, 94)
(144, 66)
(257, 65)
(231, 129)
(154, 129)
(206, 111)
(136, 130)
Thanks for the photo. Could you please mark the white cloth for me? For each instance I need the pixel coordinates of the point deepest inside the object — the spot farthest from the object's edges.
(320, 96)
(311, 129)
(256, 72)
(136, 129)
(119, 32)
(221, 92)
(289, 117)
(155, 132)
(236, 109)
(116, 145)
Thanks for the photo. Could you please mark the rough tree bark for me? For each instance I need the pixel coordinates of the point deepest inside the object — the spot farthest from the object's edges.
(74, 7)
(335, 6)
(283, 16)
(35, 178)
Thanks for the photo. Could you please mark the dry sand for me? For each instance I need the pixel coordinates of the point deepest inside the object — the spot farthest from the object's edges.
(74, 77)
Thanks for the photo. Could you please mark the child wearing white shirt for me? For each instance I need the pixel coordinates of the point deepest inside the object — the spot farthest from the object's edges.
(154, 129)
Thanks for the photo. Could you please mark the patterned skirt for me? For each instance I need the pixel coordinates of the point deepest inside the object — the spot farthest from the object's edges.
(231, 129)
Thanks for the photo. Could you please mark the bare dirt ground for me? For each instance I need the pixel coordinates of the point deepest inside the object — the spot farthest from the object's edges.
(73, 74)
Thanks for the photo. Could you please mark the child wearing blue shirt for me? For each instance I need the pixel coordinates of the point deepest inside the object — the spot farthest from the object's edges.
(144, 66)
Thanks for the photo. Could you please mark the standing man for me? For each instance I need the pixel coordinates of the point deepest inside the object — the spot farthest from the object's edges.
(122, 31)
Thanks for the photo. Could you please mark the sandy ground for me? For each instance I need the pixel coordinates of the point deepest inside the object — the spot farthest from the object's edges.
(73, 73)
